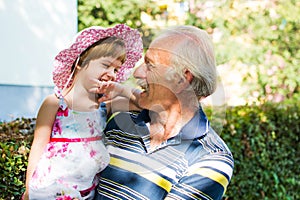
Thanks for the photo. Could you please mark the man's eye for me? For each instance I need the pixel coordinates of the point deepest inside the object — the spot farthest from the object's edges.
(149, 66)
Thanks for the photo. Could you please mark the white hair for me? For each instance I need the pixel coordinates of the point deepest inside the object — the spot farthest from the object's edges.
(193, 51)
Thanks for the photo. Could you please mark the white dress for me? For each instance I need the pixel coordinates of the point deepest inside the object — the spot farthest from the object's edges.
(72, 158)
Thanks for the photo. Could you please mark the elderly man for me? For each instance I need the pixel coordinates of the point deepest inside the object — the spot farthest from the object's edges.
(168, 150)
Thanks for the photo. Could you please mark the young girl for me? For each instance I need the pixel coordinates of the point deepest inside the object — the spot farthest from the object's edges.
(67, 151)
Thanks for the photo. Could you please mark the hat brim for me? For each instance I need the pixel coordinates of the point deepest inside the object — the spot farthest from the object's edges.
(64, 60)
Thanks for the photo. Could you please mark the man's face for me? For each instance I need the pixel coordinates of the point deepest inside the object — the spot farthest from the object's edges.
(155, 77)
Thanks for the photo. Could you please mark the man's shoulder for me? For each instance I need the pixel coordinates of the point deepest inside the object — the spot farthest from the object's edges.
(208, 145)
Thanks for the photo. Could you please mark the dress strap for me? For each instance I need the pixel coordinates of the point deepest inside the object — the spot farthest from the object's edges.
(58, 94)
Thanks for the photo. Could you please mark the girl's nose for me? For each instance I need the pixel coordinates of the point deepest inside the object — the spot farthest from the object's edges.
(111, 75)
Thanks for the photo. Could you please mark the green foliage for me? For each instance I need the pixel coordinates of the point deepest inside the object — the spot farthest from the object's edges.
(265, 144)
(109, 13)
(259, 36)
(263, 35)
(14, 156)
(264, 141)
(16, 137)
(17, 130)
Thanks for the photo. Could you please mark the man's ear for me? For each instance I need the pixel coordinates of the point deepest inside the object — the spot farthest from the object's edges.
(184, 82)
(188, 75)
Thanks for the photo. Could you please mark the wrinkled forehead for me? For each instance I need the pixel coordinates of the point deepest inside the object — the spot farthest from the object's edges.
(163, 49)
(167, 43)
(158, 55)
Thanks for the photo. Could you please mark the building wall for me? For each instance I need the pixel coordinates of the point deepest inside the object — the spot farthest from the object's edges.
(21, 101)
(32, 33)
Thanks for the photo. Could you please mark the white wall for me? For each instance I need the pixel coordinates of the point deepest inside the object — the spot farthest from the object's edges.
(21, 101)
(32, 32)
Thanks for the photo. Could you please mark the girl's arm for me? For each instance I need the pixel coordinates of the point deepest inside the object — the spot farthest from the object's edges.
(123, 104)
(42, 132)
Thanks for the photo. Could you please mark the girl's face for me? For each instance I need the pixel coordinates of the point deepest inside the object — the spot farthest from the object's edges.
(102, 69)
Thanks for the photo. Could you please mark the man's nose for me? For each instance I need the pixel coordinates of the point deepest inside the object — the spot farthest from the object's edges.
(140, 72)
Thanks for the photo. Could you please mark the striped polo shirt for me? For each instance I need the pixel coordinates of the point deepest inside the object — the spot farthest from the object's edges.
(195, 164)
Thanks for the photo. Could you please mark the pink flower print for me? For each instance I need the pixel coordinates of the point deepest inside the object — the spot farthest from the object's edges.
(63, 150)
(50, 151)
(63, 112)
(65, 197)
(93, 153)
(60, 181)
(57, 127)
(35, 175)
(91, 126)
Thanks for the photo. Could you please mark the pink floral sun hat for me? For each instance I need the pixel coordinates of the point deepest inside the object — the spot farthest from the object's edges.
(64, 60)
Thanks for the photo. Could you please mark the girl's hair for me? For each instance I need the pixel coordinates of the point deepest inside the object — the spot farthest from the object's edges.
(106, 47)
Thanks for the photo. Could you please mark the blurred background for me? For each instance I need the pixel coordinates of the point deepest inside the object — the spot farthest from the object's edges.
(256, 44)
(255, 108)
(256, 41)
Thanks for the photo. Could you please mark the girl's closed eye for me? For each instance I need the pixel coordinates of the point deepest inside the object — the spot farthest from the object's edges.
(106, 65)
(111, 65)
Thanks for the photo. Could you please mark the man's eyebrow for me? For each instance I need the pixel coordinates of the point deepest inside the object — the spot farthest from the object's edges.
(147, 59)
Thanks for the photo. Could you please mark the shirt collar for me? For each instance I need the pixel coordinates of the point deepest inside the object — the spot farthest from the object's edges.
(197, 127)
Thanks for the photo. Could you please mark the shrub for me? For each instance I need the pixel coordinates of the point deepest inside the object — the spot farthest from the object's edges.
(265, 144)
(16, 137)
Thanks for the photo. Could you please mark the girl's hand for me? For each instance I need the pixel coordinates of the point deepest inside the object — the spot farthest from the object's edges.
(101, 87)
(109, 89)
